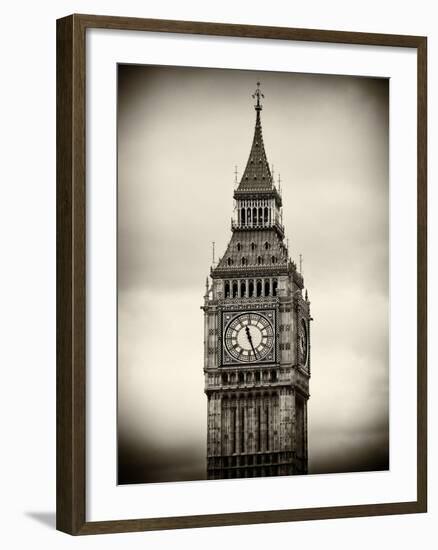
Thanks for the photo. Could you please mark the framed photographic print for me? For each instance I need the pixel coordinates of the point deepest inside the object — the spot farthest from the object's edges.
(241, 274)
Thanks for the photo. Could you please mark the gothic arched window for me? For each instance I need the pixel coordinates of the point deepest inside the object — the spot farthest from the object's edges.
(235, 289)
(274, 287)
(266, 214)
(227, 289)
(242, 216)
(259, 288)
(267, 287)
(267, 245)
(230, 261)
(274, 260)
(259, 260)
(253, 245)
(239, 246)
(251, 288)
(243, 261)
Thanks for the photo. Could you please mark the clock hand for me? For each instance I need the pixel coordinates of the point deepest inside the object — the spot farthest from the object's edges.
(248, 334)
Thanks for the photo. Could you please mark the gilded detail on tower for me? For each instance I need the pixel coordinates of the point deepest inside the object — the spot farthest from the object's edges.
(257, 337)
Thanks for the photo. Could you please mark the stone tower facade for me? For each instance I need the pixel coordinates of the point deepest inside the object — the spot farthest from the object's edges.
(257, 337)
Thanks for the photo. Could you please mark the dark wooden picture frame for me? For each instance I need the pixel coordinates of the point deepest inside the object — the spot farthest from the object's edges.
(71, 274)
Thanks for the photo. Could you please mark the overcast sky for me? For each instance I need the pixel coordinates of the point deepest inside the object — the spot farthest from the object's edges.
(181, 131)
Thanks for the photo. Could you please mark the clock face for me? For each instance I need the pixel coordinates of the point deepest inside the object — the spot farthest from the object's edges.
(303, 342)
(249, 337)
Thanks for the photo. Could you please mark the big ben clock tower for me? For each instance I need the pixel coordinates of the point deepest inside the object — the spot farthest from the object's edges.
(257, 337)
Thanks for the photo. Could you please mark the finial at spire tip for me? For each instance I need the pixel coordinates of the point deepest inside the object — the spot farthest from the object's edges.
(258, 94)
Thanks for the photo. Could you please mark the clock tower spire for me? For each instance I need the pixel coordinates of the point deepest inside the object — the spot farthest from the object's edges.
(256, 345)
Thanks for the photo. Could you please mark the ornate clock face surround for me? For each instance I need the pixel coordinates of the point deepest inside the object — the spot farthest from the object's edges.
(248, 337)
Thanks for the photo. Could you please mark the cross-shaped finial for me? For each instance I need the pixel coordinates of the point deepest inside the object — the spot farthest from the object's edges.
(258, 94)
(301, 263)
(235, 174)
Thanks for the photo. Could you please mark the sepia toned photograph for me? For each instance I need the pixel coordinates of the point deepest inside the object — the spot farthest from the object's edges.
(252, 274)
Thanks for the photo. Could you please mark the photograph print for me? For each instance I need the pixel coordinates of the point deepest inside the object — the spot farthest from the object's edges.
(253, 274)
